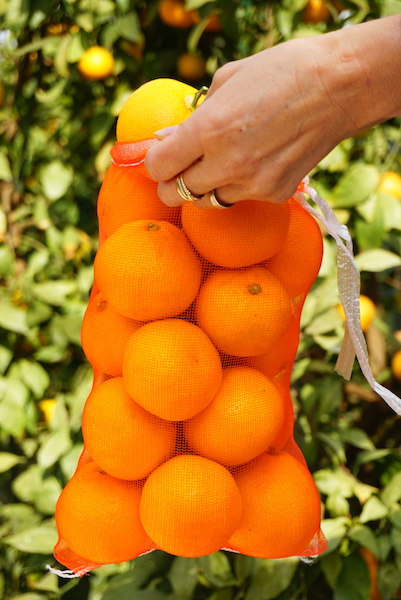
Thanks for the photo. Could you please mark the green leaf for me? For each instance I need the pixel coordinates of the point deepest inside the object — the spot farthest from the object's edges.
(358, 438)
(391, 493)
(385, 546)
(323, 323)
(39, 540)
(353, 583)
(19, 517)
(335, 481)
(338, 159)
(395, 516)
(335, 530)
(377, 260)
(337, 505)
(392, 211)
(46, 496)
(38, 312)
(222, 594)
(390, 7)
(373, 510)
(130, 27)
(69, 461)
(331, 566)
(48, 583)
(34, 376)
(183, 577)
(365, 537)
(26, 485)
(217, 570)
(272, 578)
(12, 318)
(30, 596)
(55, 445)
(6, 356)
(54, 292)
(9, 460)
(12, 414)
(356, 185)
(121, 586)
(5, 169)
(56, 179)
(396, 540)
(388, 580)
(52, 94)
(244, 567)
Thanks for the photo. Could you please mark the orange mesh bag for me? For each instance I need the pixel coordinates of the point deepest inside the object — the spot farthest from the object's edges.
(192, 329)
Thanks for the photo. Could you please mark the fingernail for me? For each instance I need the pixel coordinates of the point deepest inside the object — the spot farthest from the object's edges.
(163, 133)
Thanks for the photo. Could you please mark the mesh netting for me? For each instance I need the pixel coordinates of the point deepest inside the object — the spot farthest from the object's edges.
(192, 330)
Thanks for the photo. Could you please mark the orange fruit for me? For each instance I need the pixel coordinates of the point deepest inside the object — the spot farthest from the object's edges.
(104, 335)
(172, 369)
(120, 436)
(48, 407)
(174, 14)
(97, 517)
(245, 313)
(390, 183)
(244, 419)
(213, 23)
(316, 11)
(396, 365)
(281, 356)
(250, 232)
(147, 270)
(367, 311)
(126, 196)
(156, 104)
(190, 506)
(281, 511)
(96, 63)
(296, 265)
(191, 66)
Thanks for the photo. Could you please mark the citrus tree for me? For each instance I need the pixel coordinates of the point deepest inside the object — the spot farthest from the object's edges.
(66, 69)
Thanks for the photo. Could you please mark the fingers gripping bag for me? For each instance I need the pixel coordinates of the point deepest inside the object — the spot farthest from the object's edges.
(191, 329)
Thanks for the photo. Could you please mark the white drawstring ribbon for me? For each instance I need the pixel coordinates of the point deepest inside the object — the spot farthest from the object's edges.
(348, 280)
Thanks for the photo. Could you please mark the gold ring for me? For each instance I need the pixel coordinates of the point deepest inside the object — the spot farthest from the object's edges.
(215, 203)
(184, 192)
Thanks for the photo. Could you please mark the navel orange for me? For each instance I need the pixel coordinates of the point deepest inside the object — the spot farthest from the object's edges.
(147, 270)
(172, 369)
(281, 507)
(104, 335)
(126, 195)
(190, 506)
(281, 355)
(244, 313)
(97, 517)
(296, 264)
(249, 233)
(121, 437)
(244, 419)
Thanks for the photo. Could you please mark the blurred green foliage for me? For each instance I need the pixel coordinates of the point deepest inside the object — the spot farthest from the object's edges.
(56, 130)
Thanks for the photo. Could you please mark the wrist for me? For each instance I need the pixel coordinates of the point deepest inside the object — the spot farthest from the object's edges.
(366, 71)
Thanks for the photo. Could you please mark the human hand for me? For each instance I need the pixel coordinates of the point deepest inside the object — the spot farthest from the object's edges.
(267, 120)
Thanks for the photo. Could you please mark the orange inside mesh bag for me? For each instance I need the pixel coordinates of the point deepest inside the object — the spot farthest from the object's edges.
(191, 330)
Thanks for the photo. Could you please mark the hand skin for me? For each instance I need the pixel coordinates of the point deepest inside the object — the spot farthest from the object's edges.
(268, 119)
